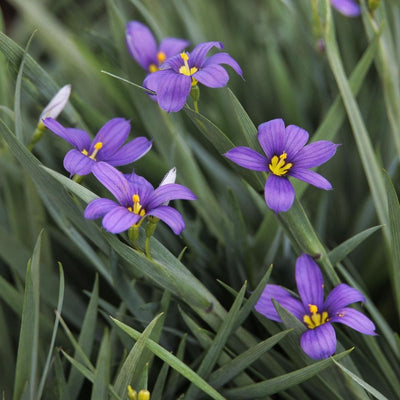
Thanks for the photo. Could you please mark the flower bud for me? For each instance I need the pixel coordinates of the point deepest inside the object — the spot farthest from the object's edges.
(57, 104)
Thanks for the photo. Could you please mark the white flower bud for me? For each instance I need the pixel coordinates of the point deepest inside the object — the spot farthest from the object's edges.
(57, 103)
(170, 177)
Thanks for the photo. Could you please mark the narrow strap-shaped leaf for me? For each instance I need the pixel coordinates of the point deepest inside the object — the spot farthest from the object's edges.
(129, 367)
(29, 333)
(102, 373)
(244, 360)
(86, 339)
(173, 361)
(283, 382)
(365, 149)
(54, 334)
(361, 382)
(394, 226)
(219, 341)
(343, 249)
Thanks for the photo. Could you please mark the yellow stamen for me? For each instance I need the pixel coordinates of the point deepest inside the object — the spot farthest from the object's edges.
(137, 207)
(315, 319)
(278, 166)
(161, 57)
(153, 68)
(185, 70)
(97, 147)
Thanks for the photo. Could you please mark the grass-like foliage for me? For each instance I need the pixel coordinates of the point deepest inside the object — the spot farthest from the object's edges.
(198, 199)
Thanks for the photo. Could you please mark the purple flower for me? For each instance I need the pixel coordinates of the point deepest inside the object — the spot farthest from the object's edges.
(286, 155)
(319, 340)
(350, 8)
(108, 145)
(137, 199)
(178, 74)
(143, 46)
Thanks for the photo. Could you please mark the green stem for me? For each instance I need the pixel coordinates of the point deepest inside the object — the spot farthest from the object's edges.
(147, 248)
(37, 135)
(302, 234)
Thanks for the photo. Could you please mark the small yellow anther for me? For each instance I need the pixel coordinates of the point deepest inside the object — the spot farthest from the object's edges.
(161, 57)
(153, 68)
(98, 145)
(278, 166)
(184, 56)
(84, 152)
(313, 308)
(135, 198)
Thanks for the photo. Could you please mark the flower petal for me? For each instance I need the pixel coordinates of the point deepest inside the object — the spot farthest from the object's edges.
(173, 91)
(247, 158)
(114, 181)
(295, 140)
(168, 192)
(57, 103)
(170, 216)
(78, 164)
(113, 135)
(213, 76)
(311, 177)
(173, 46)
(310, 283)
(314, 154)
(341, 296)
(319, 343)
(141, 44)
(131, 151)
(98, 208)
(266, 307)
(152, 81)
(77, 137)
(197, 56)
(271, 136)
(350, 8)
(119, 219)
(223, 58)
(279, 193)
(355, 320)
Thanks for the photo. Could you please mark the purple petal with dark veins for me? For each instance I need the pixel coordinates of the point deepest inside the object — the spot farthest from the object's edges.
(113, 135)
(130, 152)
(98, 208)
(266, 307)
(141, 44)
(173, 46)
(170, 216)
(173, 63)
(168, 192)
(152, 81)
(119, 220)
(355, 320)
(311, 177)
(271, 136)
(314, 154)
(223, 58)
(341, 296)
(295, 139)
(319, 343)
(77, 137)
(173, 91)
(247, 158)
(350, 8)
(310, 283)
(198, 55)
(114, 181)
(78, 164)
(213, 76)
(279, 193)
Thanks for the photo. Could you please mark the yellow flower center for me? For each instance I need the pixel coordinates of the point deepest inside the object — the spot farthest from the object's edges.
(316, 318)
(278, 165)
(161, 57)
(153, 68)
(185, 70)
(137, 207)
(97, 147)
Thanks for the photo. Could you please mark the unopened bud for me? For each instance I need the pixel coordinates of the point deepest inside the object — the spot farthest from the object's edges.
(57, 104)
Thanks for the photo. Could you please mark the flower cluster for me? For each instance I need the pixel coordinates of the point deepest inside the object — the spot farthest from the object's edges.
(319, 340)
(173, 73)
